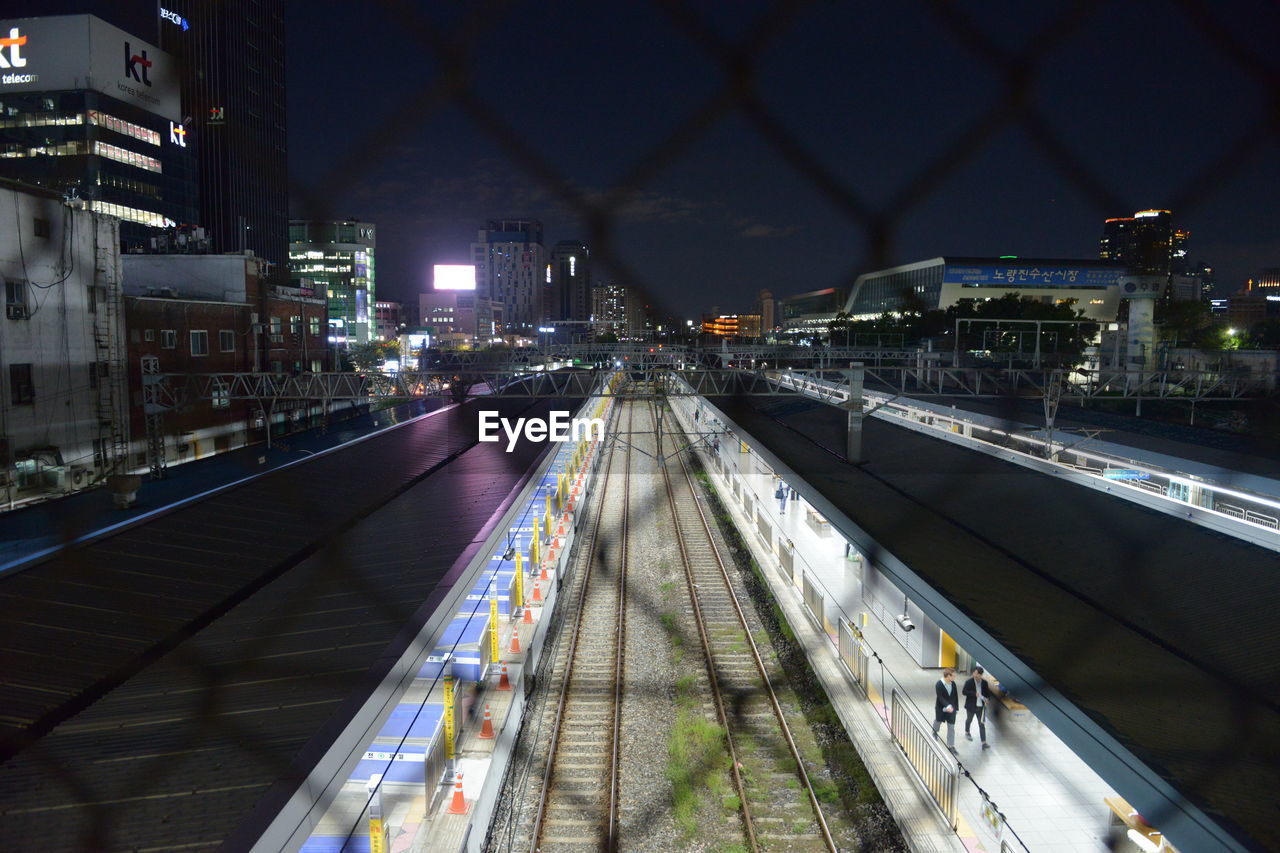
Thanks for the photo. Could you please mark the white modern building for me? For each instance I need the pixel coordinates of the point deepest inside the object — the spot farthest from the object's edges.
(938, 283)
(63, 412)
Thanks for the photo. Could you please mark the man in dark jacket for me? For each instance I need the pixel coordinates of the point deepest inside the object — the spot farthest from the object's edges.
(945, 706)
(977, 693)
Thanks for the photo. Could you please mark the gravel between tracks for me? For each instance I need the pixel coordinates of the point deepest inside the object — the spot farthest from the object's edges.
(661, 649)
(646, 817)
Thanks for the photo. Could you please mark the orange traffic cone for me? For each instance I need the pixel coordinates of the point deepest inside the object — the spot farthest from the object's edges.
(459, 805)
(486, 730)
(537, 593)
(528, 615)
(544, 576)
(515, 640)
(503, 682)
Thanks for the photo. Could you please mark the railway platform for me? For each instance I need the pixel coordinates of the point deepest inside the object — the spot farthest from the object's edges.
(487, 653)
(1051, 800)
(1065, 595)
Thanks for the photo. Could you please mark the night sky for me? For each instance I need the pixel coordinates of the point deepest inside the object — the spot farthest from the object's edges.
(1136, 91)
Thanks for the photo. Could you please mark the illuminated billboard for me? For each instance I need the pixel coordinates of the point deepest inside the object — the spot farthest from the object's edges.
(455, 277)
(83, 52)
(1010, 275)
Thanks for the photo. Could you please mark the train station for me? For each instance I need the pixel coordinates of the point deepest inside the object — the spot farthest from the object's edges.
(727, 618)
(639, 428)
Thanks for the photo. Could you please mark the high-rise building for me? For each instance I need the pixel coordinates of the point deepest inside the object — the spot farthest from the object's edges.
(1148, 244)
(569, 280)
(620, 309)
(608, 308)
(229, 61)
(93, 112)
(231, 56)
(339, 258)
(510, 275)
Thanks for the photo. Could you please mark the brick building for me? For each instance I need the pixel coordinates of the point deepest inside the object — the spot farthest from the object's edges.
(200, 314)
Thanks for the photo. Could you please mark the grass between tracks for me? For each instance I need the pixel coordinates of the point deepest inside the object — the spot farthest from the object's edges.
(697, 763)
(851, 784)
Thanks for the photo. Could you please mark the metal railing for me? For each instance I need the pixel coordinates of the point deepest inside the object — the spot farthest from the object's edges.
(937, 769)
(1199, 493)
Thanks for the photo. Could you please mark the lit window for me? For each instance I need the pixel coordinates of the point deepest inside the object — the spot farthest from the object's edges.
(124, 127)
(123, 155)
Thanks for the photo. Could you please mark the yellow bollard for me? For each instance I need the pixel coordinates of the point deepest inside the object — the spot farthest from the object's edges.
(449, 725)
(495, 653)
(519, 602)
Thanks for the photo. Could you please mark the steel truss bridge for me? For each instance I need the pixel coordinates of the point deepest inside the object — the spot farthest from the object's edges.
(173, 390)
(834, 376)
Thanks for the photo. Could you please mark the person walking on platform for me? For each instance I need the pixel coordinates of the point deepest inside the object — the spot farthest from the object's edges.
(945, 705)
(781, 495)
(977, 693)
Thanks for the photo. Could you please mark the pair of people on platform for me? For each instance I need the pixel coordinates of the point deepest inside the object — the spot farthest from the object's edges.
(977, 696)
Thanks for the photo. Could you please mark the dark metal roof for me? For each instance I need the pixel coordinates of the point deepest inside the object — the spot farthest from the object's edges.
(196, 666)
(1161, 632)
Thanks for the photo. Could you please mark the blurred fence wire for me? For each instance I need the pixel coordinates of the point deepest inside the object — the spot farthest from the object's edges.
(175, 635)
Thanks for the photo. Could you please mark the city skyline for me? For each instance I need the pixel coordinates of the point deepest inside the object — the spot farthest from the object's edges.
(727, 215)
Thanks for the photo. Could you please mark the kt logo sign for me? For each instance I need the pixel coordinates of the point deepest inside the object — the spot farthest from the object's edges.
(11, 58)
(133, 62)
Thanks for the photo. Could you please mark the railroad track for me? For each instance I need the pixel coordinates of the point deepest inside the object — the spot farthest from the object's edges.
(742, 692)
(578, 804)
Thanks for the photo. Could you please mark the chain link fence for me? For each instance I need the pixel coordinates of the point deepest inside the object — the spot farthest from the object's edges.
(177, 635)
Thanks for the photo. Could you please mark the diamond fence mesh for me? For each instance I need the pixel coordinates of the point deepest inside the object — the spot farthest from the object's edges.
(169, 638)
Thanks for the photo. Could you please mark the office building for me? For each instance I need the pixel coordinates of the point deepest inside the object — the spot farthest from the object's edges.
(510, 277)
(1148, 244)
(231, 57)
(339, 258)
(388, 317)
(63, 423)
(1093, 287)
(93, 112)
(569, 282)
